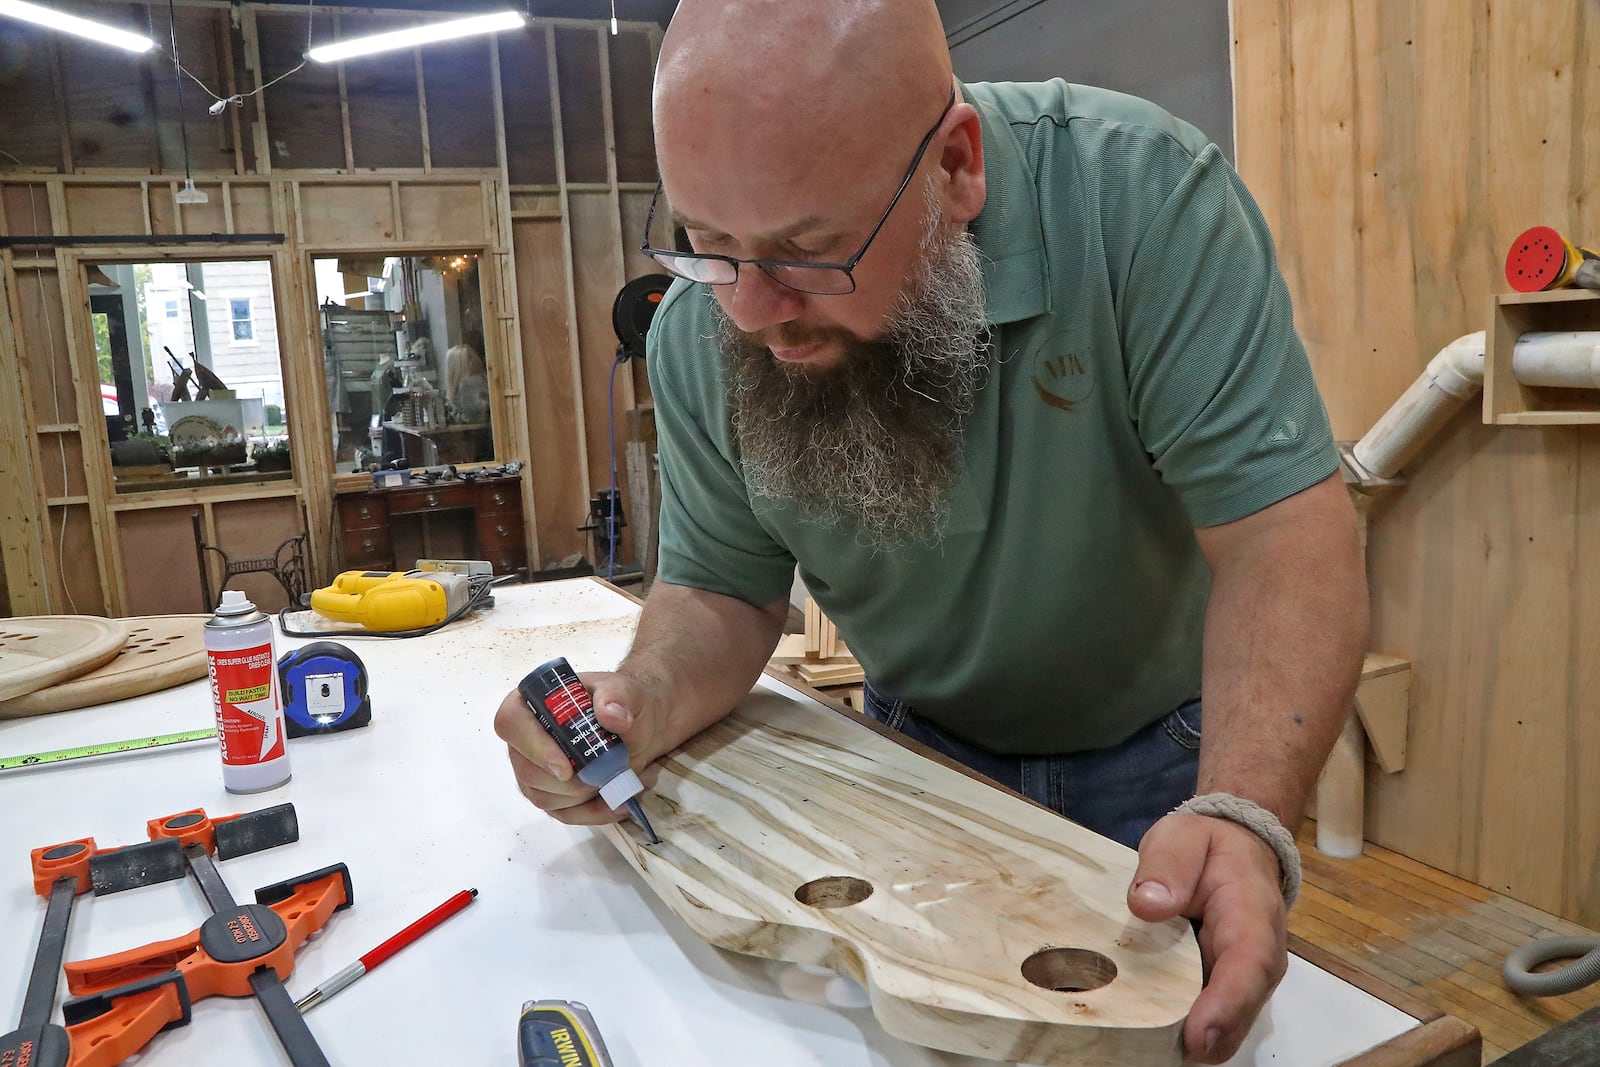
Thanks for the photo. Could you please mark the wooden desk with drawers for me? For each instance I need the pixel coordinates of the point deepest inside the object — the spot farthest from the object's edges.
(367, 519)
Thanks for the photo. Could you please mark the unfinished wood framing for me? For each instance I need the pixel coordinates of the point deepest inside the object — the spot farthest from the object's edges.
(21, 536)
(502, 381)
(574, 354)
(549, 269)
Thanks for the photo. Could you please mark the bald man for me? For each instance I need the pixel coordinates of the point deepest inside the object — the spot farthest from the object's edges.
(1010, 373)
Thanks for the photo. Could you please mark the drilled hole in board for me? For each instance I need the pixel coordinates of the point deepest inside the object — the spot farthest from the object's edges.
(834, 891)
(1069, 970)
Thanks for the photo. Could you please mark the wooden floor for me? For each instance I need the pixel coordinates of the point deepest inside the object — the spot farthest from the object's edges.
(1436, 937)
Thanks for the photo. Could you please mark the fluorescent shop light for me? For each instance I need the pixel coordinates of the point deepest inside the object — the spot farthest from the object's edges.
(435, 31)
(60, 20)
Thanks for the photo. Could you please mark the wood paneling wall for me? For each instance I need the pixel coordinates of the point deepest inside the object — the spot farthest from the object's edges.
(1397, 147)
(533, 147)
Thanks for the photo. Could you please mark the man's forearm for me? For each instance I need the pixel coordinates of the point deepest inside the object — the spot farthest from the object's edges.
(1286, 631)
(700, 653)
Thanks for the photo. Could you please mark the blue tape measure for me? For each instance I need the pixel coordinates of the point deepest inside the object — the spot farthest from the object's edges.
(324, 689)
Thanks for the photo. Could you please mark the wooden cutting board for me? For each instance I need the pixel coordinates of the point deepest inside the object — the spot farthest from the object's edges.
(41, 650)
(159, 652)
(978, 922)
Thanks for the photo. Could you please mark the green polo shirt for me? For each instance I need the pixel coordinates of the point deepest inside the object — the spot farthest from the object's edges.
(1147, 379)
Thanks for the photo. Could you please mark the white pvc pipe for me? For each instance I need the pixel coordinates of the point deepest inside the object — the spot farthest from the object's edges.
(1341, 799)
(1565, 359)
(1452, 378)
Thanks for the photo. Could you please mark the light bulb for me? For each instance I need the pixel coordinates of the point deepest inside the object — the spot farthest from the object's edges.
(60, 20)
(416, 35)
(190, 195)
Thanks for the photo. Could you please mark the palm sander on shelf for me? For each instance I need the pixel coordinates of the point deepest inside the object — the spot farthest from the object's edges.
(1541, 259)
(400, 601)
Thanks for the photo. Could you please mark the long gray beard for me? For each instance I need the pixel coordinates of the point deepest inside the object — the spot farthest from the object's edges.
(874, 442)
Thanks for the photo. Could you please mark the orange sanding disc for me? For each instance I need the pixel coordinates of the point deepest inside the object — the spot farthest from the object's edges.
(1538, 258)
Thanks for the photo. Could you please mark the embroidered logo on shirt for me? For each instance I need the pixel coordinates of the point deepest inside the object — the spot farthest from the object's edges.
(1062, 380)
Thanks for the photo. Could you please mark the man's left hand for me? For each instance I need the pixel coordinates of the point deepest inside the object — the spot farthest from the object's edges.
(1227, 878)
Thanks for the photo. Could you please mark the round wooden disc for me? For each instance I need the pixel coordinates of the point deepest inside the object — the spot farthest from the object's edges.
(161, 651)
(41, 650)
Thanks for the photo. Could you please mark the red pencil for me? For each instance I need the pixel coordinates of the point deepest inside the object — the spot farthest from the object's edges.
(388, 948)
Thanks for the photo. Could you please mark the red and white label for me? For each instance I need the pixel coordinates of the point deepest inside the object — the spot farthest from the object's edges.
(244, 688)
(569, 702)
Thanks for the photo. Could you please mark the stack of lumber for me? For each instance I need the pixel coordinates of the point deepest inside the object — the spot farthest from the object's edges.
(818, 658)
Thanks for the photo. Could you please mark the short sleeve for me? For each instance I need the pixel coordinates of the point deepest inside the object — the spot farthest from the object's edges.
(1219, 384)
(710, 537)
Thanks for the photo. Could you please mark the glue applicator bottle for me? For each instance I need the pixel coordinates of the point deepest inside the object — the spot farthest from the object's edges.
(565, 708)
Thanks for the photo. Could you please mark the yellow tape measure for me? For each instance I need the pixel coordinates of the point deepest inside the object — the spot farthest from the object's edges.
(12, 763)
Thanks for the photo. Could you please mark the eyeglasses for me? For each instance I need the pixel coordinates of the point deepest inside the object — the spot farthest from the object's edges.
(822, 279)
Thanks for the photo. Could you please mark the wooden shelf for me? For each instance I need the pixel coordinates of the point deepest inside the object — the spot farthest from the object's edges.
(1508, 402)
(1549, 418)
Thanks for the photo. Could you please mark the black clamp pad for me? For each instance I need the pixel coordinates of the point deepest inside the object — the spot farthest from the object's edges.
(281, 891)
(82, 1009)
(256, 831)
(136, 865)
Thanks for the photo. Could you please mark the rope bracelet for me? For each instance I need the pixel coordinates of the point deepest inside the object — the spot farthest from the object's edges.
(1262, 823)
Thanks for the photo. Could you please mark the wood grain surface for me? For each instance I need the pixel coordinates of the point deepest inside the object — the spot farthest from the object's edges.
(41, 650)
(161, 651)
(1397, 149)
(979, 923)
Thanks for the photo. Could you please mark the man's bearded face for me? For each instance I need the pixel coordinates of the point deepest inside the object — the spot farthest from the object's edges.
(874, 441)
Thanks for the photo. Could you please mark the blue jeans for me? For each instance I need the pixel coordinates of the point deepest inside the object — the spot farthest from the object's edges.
(1117, 792)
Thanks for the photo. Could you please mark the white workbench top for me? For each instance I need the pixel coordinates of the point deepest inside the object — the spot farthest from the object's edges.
(421, 804)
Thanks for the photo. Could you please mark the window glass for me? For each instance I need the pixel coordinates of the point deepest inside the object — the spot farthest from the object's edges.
(243, 329)
(403, 354)
(191, 379)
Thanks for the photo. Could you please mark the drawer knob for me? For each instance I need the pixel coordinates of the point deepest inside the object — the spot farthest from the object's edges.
(366, 511)
(499, 497)
(432, 500)
(368, 546)
(502, 530)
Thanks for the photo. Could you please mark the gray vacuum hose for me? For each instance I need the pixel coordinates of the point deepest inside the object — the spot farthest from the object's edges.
(1520, 979)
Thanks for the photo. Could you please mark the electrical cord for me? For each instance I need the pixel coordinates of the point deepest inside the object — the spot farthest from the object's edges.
(221, 102)
(481, 586)
(177, 68)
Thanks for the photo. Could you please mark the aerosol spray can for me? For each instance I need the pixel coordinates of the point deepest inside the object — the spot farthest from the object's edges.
(243, 670)
(565, 708)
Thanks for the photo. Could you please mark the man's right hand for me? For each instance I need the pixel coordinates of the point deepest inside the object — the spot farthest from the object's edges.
(695, 655)
(543, 773)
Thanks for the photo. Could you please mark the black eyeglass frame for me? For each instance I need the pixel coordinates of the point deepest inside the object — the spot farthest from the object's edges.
(766, 265)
